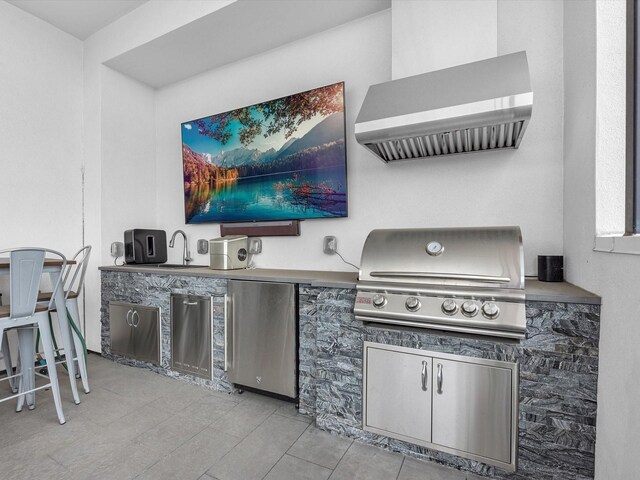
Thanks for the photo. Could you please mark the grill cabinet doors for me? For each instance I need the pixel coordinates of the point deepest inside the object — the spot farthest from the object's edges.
(472, 408)
(398, 394)
(466, 406)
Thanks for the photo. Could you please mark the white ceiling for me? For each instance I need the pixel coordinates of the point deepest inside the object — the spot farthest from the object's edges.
(235, 32)
(80, 18)
(208, 42)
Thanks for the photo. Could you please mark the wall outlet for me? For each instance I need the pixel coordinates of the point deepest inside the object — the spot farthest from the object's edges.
(255, 246)
(203, 246)
(330, 245)
(117, 249)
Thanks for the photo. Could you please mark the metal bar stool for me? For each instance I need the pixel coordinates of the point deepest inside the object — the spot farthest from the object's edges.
(73, 284)
(26, 266)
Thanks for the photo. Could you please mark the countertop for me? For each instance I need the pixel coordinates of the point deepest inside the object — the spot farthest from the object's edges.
(315, 278)
(535, 290)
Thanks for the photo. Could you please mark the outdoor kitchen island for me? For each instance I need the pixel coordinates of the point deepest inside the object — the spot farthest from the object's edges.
(558, 359)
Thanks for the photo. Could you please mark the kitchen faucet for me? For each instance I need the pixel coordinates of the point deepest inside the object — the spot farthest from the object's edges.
(186, 256)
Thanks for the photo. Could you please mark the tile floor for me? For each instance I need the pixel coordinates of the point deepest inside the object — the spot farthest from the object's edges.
(137, 424)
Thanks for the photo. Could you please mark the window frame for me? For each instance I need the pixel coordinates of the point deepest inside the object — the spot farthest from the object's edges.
(632, 174)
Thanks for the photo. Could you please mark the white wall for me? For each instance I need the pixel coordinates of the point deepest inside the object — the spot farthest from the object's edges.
(511, 187)
(40, 135)
(359, 54)
(128, 168)
(440, 34)
(613, 276)
(149, 21)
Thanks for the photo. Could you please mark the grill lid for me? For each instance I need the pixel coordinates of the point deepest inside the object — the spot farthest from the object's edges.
(486, 257)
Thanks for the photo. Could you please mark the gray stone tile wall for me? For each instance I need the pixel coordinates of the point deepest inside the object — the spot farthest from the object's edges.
(308, 317)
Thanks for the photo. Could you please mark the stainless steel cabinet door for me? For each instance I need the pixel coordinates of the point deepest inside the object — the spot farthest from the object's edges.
(146, 336)
(121, 329)
(398, 394)
(472, 408)
(191, 339)
(263, 337)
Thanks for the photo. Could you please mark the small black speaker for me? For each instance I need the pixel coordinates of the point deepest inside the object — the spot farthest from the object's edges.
(550, 268)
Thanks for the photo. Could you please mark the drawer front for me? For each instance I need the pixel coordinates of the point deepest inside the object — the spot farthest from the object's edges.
(397, 394)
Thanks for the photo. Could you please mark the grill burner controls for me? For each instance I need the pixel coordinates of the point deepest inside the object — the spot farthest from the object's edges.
(450, 307)
(469, 308)
(464, 280)
(412, 304)
(490, 310)
(379, 301)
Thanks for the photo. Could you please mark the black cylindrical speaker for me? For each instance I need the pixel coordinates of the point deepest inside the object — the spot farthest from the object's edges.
(550, 268)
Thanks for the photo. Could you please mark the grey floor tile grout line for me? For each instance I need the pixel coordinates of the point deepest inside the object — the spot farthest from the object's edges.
(341, 458)
(282, 456)
(404, 457)
(241, 439)
(63, 466)
(291, 417)
(311, 425)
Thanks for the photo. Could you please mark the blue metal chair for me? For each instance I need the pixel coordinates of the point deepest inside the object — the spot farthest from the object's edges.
(24, 313)
(73, 284)
(5, 356)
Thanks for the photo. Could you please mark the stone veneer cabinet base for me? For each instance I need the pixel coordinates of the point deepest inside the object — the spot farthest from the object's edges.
(155, 291)
(558, 368)
(558, 380)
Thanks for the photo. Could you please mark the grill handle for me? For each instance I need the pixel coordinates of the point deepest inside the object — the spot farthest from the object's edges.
(450, 276)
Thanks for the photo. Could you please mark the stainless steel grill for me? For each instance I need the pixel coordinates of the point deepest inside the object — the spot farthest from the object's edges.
(468, 280)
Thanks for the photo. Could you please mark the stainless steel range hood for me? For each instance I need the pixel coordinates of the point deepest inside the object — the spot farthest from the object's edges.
(478, 106)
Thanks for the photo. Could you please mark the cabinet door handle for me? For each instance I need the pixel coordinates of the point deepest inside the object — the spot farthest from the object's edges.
(133, 315)
(439, 378)
(129, 321)
(228, 334)
(425, 376)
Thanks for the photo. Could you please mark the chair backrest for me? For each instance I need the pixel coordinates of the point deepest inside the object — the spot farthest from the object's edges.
(76, 282)
(25, 271)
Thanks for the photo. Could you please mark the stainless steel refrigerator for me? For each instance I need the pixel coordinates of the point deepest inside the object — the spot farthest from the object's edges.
(261, 336)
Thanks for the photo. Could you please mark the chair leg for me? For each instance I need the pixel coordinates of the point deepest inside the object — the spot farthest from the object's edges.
(47, 343)
(72, 307)
(8, 365)
(27, 379)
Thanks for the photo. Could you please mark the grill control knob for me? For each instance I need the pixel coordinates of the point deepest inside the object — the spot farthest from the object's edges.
(450, 307)
(469, 308)
(412, 304)
(490, 310)
(379, 301)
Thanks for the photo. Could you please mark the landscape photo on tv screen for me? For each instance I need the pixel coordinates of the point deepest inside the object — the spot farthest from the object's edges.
(283, 159)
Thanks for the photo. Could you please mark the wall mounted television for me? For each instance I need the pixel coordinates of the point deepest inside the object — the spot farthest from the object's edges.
(284, 159)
